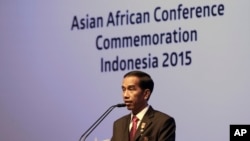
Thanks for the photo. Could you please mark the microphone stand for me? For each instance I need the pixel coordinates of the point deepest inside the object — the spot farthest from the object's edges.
(98, 121)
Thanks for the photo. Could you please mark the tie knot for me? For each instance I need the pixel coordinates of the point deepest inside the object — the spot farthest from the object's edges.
(134, 119)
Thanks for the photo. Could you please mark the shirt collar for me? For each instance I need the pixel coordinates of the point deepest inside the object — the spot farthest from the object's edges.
(141, 114)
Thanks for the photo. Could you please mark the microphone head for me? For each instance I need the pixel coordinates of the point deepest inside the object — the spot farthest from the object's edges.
(121, 105)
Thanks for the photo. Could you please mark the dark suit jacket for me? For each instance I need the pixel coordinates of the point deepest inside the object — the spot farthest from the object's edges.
(155, 126)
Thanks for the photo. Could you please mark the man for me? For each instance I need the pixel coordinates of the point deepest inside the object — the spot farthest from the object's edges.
(143, 123)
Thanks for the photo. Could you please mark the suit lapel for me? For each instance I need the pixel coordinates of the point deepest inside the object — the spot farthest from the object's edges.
(145, 123)
(126, 129)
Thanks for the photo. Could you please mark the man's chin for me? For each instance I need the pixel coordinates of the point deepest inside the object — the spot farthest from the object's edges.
(129, 107)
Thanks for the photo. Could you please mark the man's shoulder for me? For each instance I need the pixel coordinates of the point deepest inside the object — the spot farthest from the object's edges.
(160, 118)
(123, 118)
(159, 114)
(162, 114)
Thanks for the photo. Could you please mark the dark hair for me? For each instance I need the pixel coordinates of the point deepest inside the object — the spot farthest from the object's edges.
(145, 82)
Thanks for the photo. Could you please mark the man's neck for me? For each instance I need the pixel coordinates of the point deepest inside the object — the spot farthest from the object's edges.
(139, 109)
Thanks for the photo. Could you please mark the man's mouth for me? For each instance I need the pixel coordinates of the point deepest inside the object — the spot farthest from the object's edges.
(128, 103)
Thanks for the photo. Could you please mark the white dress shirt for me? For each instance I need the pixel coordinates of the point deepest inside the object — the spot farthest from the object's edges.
(140, 115)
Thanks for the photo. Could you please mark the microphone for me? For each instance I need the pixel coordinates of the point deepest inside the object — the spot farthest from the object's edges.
(98, 121)
(120, 105)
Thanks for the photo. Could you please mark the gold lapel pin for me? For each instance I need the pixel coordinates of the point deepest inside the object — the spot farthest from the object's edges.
(143, 124)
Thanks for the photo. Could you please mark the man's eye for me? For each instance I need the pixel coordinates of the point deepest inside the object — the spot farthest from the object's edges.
(131, 89)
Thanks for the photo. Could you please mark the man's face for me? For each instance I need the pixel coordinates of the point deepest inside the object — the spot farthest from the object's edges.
(134, 97)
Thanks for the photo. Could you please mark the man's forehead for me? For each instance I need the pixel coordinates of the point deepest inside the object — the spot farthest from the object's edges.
(130, 81)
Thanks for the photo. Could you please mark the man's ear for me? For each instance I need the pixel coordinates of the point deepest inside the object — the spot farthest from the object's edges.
(147, 94)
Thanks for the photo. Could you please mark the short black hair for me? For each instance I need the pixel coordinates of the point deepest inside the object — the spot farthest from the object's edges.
(145, 80)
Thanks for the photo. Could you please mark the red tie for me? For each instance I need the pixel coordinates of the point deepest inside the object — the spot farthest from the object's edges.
(133, 129)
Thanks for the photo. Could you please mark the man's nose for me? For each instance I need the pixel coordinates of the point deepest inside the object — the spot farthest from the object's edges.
(125, 94)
